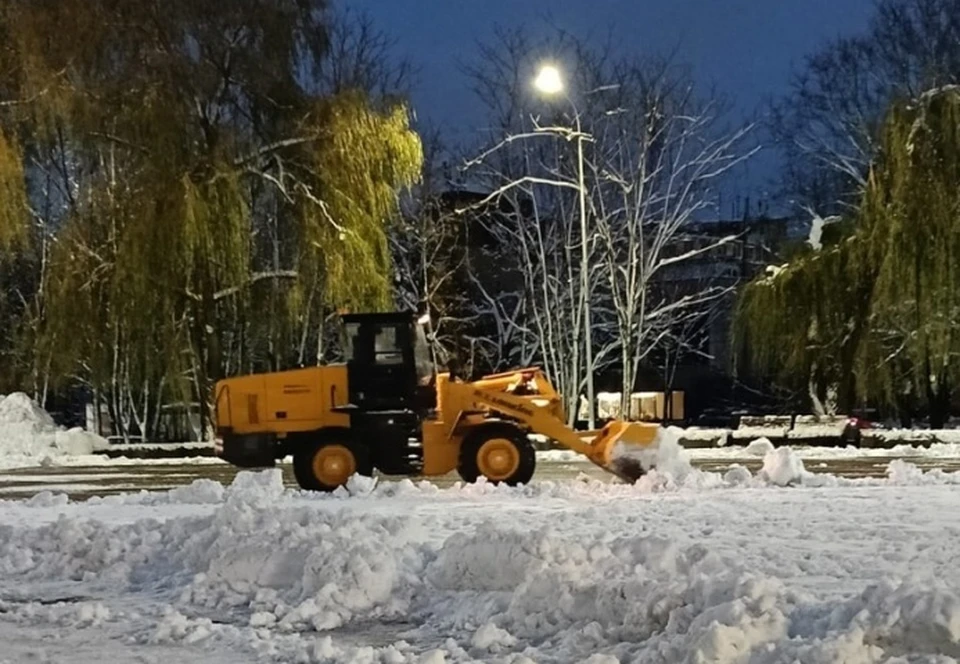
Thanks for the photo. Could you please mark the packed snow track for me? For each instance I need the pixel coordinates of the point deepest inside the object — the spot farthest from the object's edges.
(780, 565)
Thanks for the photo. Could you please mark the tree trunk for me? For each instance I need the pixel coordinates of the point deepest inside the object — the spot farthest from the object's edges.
(815, 392)
(938, 403)
(627, 379)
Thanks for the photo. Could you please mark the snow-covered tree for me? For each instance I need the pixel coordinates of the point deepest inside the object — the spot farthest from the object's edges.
(652, 157)
(656, 167)
(873, 314)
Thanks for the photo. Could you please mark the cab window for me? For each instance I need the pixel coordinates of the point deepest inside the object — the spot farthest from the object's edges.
(386, 349)
(422, 356)
(350, 340)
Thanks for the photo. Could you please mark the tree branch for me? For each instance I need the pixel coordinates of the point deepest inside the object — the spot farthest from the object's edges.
(254, 278)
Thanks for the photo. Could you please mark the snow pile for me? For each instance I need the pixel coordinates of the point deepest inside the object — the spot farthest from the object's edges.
(782, 467)
(202, 491)
(66, 614)
(903, 473)
(626, 596)
(416, 573)
(492, 638)
(737, 475)
(20, 409)
(668, 456)
(665, 463)
(28, 431)
(760, 447)
(665, 444)
(667, 466)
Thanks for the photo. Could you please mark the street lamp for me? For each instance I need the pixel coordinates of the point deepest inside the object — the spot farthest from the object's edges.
(550, 82)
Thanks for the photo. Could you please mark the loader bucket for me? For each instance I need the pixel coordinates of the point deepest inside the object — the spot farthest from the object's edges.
(627, 449)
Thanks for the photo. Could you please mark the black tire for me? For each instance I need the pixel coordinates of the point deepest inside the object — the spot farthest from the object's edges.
(469, 466)
(305, 453)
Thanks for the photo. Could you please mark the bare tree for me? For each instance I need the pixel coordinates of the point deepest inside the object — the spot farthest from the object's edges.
(543, 310)
(826, 126)
(428, 246)
(652, 155)
(362, 56)
(655, 171)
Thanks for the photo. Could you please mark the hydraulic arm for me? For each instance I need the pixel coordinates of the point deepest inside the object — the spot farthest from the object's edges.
(618, 447)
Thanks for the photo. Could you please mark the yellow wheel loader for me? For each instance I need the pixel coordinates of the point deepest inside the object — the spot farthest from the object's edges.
(387, 409)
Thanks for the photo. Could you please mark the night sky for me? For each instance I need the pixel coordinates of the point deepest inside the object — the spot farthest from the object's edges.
(745, 47)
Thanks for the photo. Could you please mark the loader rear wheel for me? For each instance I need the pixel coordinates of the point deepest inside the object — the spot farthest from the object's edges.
(324, 465)
(502, 453)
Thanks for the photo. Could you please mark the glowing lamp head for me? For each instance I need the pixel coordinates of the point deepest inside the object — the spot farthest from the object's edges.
(549, 81)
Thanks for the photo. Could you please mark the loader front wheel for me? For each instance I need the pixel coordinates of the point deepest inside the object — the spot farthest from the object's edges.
(502, 453)
(325, 465)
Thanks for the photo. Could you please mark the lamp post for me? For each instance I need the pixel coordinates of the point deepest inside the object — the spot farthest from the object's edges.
(550, 82)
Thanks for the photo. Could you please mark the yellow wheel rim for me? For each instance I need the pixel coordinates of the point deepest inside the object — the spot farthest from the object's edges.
(498, 459)
(333, 465)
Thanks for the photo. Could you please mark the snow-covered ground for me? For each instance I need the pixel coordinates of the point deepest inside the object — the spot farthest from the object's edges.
(772, 565)
(760, 446)
(685, 566)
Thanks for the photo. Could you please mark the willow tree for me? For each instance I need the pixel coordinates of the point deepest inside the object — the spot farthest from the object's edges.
(191, 156)
(13, 199)
(801, 323)
(911, 212)
(14, 241)
(877, 313)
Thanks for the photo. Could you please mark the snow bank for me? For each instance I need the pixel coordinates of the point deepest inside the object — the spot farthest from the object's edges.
(667, 467)
(922, 436)
(767, 426)
(699, 435)
(812, 426)
(28, 432)
(472, 573)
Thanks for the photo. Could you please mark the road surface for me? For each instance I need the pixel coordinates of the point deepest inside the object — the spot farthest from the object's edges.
(82, 482)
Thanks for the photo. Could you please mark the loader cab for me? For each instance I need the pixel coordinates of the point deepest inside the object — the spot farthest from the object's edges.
(389, 365)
